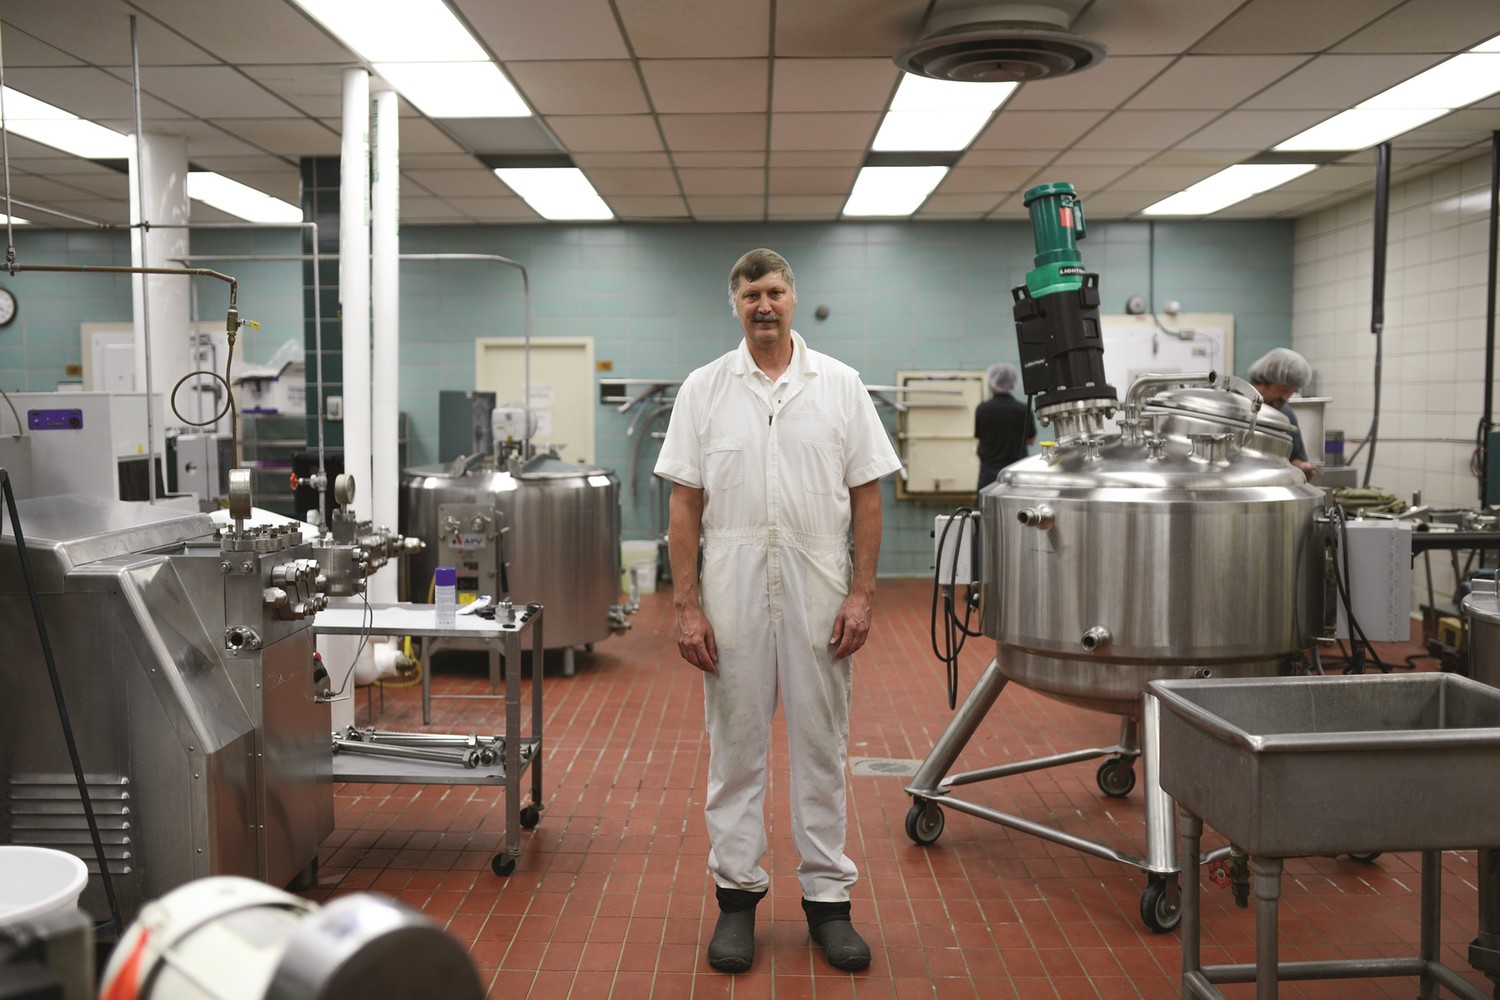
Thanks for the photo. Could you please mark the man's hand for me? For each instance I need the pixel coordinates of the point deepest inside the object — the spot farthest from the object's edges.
(852, 625)
(695, 639)
(1308, 469)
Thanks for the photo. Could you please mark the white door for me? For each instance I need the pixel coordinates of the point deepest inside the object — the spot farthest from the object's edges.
(561, 394)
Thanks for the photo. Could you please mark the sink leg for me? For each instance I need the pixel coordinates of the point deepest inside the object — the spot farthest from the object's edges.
(1160, 836)
(1267, 879)
(1189, 834)
(1432, 915)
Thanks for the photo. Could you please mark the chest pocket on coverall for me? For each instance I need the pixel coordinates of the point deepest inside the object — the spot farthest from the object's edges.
(724, 463)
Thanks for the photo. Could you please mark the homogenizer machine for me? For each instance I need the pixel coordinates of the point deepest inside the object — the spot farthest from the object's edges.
(184, 650)
(1184, 544)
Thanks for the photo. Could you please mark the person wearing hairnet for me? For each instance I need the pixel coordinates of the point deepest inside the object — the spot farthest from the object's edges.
(1280, 374)
(1002, 423)
(775, 452)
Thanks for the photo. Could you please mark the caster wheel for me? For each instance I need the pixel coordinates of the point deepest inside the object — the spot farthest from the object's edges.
(502, 864)
(530, 817)
(1158, 912)
(924, 823)
(1116, 777)
(1366, 858)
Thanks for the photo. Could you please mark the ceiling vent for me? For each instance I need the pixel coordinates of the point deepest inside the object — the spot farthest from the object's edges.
(999, 43)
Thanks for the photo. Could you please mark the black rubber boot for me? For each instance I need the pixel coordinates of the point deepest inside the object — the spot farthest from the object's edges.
(732, 948)
(829, 926)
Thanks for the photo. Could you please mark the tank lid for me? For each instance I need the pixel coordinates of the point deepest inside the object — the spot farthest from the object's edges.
(1220, 405)
(552, 467)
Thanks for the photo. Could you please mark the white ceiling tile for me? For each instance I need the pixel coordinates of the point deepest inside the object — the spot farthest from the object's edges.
(475, 181)
(1144, 129)
(1085, 179)
(1267, 205)
(1162, 27)
(1212, 81)
(945, 205)
(706, 86)
(88, 92)
(1103, 158)
(714, 133)
(1333, 83)
(1117, 204)
(807, 206)
(634, 183)
(205, 139)
(1051, 130)
(995, 181)
(98, 32)
(639, 161)
(833, 84)
(722, 182)
(1159, 180)
(494, 135)
(1428, 26)
(292, 137)
(1001, 157)
(851, 158)
(316, 90)
(435, 161)
(847, 27)
(22, 50)
(1331, 177)
(823, 131)
(1291, 25)
(420, 136)
(1460, 128)
(738, 158)
(727, 207)
(248, 31)
(557, 29)
(606, 133)
(811, 180)
(209, 91)
(416, 209)
(504, 207)
(1101, 87)
(1251, 130)
(630, 207)
(696, 29)
(581, 86)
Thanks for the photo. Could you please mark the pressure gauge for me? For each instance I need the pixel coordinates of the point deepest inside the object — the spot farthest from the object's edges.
(7, 306)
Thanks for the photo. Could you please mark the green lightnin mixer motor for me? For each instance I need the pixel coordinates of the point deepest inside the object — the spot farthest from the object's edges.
(1057, 319)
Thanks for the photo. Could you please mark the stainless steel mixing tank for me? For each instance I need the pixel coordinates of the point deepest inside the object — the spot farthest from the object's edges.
(1184, 546)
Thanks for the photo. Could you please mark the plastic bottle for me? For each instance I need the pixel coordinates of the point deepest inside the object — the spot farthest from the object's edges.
(445, 595)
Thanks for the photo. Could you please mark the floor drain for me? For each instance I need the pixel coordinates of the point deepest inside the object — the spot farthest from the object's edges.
(888, 766)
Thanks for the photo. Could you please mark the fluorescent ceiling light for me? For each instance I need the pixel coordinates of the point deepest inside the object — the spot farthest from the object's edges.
(397, 30)
(1453, 83)
(50, 126)
(1228, 186)
(455, 90)
(12, 220)
(556, 193)
(238, 199)
(886, 191)
(938, 114)
(1360, 128)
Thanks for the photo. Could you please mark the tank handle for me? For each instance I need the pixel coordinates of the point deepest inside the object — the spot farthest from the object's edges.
(1148, 384)
(1233, 383)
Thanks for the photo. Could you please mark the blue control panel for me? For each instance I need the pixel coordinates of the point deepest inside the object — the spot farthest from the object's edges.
(54, 420)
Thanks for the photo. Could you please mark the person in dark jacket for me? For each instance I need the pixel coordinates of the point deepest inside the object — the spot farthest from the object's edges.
(1279, 375)
(1003, 424)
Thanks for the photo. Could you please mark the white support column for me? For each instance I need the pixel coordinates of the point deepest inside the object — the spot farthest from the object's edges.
(385, 265)
(162, 173)
(354, 283)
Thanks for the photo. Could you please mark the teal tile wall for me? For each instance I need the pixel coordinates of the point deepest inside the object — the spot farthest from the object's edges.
(899, 295)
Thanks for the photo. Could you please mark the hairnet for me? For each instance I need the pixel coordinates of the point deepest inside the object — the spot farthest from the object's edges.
(1002, 376)
(1282, 366)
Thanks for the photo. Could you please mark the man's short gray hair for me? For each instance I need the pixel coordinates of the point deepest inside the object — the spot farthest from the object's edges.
(756, 265)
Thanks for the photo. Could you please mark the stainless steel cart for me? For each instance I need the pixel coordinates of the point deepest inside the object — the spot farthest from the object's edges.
(1314, 766)
(522, 753)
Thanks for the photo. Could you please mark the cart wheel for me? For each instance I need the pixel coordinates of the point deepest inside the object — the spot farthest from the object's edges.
(502, 864)
(1366, 858)
(924, 823)
(1116, 777)
(530, 817)
(1157, 912)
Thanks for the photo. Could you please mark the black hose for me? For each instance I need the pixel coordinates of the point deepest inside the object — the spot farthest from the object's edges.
(955, 632)
(62, 705)
(1377, 289)
(1486, 422)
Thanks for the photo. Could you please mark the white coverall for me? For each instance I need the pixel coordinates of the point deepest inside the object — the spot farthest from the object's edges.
(775, 463)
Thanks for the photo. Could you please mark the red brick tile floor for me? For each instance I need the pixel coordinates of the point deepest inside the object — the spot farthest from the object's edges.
(610, 898)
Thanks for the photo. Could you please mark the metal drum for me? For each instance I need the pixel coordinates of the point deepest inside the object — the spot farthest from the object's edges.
(562, 546)
(1116, 560)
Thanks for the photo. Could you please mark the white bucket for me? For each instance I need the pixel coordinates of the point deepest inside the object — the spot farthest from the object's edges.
(37, 880)
(638, 559)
